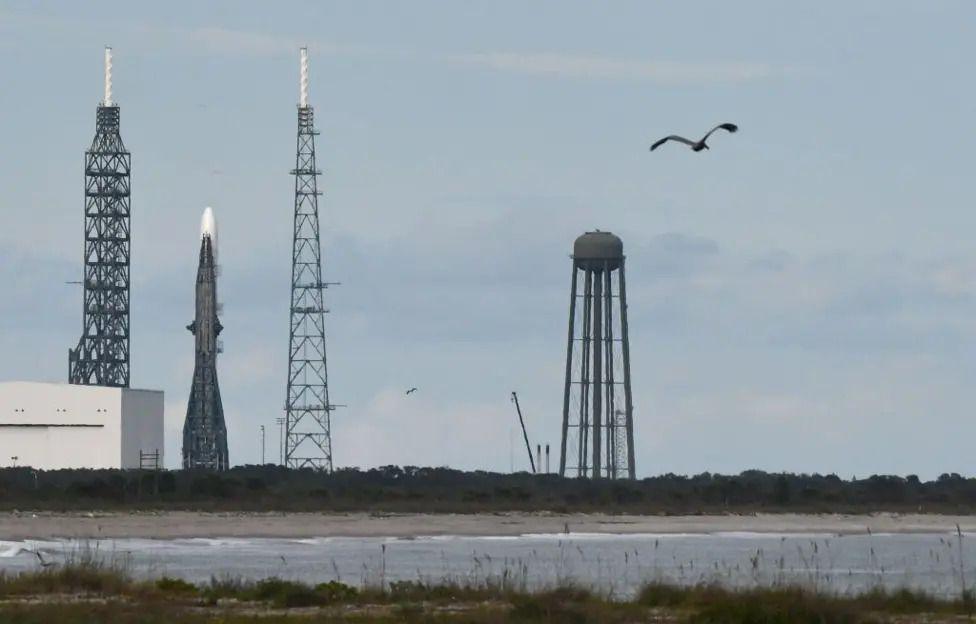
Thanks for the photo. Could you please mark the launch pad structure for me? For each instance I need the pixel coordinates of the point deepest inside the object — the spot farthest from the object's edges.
(308, 428)
(102, 355)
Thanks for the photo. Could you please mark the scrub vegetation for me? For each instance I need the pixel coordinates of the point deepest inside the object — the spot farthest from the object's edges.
(433, 490)
(88, 591)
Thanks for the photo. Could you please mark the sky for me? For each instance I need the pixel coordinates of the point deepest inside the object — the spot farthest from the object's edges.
(802, 296)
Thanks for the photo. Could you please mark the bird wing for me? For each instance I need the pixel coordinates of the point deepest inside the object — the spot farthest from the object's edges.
(673, 137)
(731, 127)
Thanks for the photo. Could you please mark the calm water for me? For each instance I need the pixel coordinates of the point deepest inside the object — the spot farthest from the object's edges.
(618, 564)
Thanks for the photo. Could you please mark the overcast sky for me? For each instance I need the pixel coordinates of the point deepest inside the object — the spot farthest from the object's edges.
(803, 296)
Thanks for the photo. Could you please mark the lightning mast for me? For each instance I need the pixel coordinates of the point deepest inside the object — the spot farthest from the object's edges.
(102, 355)
(308, 435)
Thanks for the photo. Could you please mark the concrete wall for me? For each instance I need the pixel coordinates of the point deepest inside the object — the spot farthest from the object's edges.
(142, 425)
(50, 426)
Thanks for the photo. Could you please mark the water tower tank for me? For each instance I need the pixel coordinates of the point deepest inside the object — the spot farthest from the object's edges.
(598, 250)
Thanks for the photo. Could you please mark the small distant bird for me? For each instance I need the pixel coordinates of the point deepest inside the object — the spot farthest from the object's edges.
(696, 146)
(411, 390)
(44, 564)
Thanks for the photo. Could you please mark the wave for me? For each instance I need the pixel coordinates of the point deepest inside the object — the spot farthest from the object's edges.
(13, 549)
(763, 535)
(224, 541)
(611, 536)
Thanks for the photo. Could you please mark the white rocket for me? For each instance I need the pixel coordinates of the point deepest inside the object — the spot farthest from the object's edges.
(208, 227)
(204, 432)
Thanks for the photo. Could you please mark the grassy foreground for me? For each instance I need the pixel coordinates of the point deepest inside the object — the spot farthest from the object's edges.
(92, 592)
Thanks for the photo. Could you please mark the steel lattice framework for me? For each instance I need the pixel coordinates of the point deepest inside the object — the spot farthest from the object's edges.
(308, 436)
(102, 355)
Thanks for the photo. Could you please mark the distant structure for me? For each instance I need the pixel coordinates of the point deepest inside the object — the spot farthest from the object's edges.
(102, 355)
(308, 435)
(204, 432)
(54, 426)
(598, 423)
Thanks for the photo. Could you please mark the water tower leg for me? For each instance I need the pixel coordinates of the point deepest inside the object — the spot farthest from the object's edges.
(597, 369)
(569, 374)
(625, 349)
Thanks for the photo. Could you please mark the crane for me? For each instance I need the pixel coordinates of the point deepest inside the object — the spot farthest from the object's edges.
(528, 447)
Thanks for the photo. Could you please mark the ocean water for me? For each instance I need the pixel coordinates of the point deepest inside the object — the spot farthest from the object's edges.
(613, 564)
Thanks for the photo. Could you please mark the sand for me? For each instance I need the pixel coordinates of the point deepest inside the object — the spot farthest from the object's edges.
(171, 525)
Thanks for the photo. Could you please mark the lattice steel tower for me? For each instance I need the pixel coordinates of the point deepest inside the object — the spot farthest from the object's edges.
(102, 355)
(598, 422)
(308, 436)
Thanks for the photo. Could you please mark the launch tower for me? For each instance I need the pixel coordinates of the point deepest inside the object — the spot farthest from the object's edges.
(102, 355)
(598, 423)
(308, 436)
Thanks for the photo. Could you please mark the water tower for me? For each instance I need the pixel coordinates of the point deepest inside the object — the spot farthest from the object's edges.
(598, 422)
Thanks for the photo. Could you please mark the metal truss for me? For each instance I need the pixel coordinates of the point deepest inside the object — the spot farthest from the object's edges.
(102, 355)
(308, 436)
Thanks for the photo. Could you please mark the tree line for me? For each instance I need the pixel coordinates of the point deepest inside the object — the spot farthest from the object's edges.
(415, 489)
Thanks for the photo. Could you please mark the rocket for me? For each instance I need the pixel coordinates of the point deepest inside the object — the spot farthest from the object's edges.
(204, 432)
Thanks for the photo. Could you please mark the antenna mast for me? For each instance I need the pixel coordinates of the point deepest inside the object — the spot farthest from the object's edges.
(108, 77)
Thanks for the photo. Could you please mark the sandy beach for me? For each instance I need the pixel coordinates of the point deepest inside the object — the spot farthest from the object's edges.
(169, 525)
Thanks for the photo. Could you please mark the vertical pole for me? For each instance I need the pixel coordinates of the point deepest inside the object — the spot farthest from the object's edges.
(108, 77)
(538, 457)
(281, 440)
(547, 459)
(569, 373)
(597, 368)
(625, 349)
(262, 445)
(583, 460)
(609, 403)
(303, 79)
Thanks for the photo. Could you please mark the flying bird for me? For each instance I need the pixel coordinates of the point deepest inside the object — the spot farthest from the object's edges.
(696, 146)
(40, 559)
(411, 390)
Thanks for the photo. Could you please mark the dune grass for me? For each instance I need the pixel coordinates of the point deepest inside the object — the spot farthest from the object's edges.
(86, 590)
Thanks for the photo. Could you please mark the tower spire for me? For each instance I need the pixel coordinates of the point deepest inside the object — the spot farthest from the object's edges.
(108, 76)
(308, 430)
(303, 80)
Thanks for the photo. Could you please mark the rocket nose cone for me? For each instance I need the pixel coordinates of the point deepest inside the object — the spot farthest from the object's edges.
(208, 224)
(208, 227)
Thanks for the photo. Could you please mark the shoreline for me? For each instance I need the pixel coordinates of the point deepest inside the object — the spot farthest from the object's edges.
(183, 524)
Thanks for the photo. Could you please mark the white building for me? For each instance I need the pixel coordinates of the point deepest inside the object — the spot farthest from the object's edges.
(50, 426)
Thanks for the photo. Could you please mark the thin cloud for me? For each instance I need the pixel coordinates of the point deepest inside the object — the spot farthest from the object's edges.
(607, 68)
(230, 42)
(242, 43)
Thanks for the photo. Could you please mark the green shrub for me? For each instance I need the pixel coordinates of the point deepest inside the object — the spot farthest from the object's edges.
(285, 594)
(175, 586)
(335, 592)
